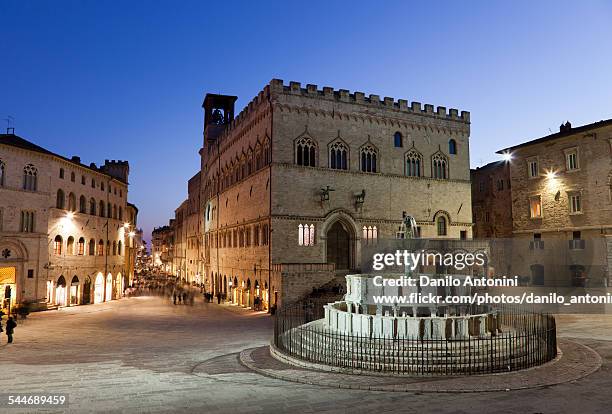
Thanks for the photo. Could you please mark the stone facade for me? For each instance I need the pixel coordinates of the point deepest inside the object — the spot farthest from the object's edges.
(562, 206)
(292, 186)
(62, 232)
(492, 201)
(162, 247)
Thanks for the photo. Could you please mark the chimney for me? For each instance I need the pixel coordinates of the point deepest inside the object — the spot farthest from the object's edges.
(76, 158)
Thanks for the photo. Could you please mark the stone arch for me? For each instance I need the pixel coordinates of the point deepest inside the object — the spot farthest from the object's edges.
(340, 233)
(17, 251)
(444, 213)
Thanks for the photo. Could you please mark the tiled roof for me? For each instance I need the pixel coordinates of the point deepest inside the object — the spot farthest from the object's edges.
(560, 134)
(16, 141)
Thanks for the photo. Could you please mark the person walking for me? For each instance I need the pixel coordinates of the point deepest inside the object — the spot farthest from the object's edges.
(10, 328)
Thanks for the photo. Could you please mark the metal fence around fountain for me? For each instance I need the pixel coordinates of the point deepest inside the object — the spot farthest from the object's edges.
(527, 339)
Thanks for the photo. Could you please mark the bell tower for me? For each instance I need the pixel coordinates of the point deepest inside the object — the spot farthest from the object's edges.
(218, 113)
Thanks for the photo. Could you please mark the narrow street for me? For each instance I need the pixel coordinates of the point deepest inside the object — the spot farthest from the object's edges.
(146, 355)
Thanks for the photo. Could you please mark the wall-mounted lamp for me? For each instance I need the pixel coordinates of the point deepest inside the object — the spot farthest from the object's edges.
(325, 193)
(507, 156)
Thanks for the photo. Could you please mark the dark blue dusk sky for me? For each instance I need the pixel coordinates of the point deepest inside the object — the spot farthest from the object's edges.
(125, 80)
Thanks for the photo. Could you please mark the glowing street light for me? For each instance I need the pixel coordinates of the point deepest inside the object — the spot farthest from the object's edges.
(551, 175)
(507, 156)
(70, 215)
(131, 234)
(126, 225)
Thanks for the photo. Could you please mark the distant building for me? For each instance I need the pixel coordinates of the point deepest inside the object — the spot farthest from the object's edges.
(561, 206)
(492, 201)
(62, 234)
(162, 247)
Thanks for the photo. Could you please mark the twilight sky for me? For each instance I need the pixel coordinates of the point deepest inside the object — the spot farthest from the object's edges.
(126, 80)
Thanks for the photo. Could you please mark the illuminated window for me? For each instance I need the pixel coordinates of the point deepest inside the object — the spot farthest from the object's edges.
(535, 207)
(101, 248)
(370, 234)
(57, 245)
(306, 234)
(81, 247)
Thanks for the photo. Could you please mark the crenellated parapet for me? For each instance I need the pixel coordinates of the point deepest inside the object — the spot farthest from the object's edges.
(343, 95)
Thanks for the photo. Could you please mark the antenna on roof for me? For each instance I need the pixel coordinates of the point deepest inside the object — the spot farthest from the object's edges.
(10, 121)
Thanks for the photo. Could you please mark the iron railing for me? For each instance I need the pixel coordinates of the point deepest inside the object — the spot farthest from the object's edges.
(521, 339)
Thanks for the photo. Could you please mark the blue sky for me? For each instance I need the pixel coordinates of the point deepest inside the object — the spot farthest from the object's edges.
(125, 80)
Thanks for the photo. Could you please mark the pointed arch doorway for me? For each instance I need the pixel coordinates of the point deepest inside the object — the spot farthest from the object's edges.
(339, 246)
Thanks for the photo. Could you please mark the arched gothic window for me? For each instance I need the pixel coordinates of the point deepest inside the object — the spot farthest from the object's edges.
(92, 247)
(414, 163)
(306, 234)
(114, 248)
(441, 223)
(369, 159)
(268, 155)
(60, 200)
(305, 152)
(82, 205)
(109, 210)
(452, 146)
(101, 210)
(398, 140)
(439, 166)
(119, 248)
(338, 156)
(101, 247)
(120, 213)
(81, 247)
(30, 178)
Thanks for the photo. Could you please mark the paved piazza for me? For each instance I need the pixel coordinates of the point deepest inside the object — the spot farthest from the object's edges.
(145, 355)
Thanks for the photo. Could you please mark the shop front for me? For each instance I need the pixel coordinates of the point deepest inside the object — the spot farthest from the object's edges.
(8, 290)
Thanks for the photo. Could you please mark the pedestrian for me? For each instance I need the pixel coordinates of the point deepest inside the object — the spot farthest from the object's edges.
(218, 298)
(10, 328)
(174, 295)
(185, 298)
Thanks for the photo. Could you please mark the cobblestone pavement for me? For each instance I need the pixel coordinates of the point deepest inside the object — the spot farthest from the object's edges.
(144, 355)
